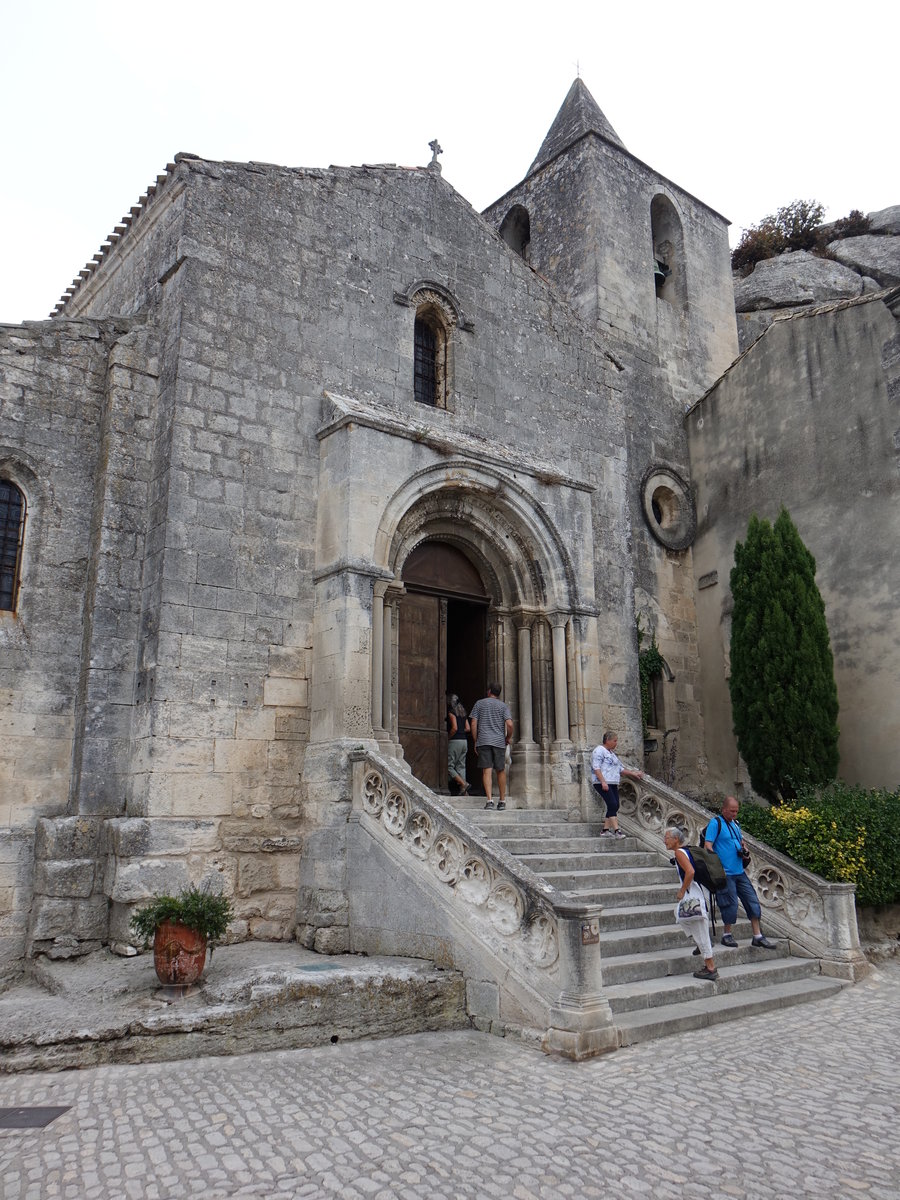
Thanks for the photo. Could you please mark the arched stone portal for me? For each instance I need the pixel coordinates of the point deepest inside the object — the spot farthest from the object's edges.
(536, 632)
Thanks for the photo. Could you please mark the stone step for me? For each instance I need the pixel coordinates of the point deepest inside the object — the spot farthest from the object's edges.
(548, 847)
(548, 859)
(715, 1006)
(678, 960)
(502, 829)
(628, 897)
(637, 916)
(530, 816)
(576, 881)
(735, 977)
(666, 936)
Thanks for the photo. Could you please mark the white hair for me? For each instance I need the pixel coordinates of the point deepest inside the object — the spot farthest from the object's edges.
(678, 833)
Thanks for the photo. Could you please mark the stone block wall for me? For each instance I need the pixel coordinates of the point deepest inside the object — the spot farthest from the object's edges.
(807, 418)
(53, 379)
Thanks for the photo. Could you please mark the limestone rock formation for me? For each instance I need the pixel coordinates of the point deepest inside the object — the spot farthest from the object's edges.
(871, 254)
(886, 220)
(795, 279)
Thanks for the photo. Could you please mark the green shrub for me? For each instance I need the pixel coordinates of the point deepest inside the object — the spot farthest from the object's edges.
(844, 833)
(758, 242)
(799, 224)
(793, 227)
(853, 225)
(202, 911)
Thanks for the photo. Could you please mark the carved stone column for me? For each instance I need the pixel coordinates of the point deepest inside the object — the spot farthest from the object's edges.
(378, 656)
(526, 728)
(560, 688)
(526, 781)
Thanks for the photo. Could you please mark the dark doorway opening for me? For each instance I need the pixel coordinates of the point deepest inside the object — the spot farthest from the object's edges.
(442, 648)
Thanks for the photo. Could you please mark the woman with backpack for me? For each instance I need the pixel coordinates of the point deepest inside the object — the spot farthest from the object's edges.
(691, 908)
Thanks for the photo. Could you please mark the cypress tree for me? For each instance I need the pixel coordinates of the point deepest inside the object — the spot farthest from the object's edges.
(783, 694)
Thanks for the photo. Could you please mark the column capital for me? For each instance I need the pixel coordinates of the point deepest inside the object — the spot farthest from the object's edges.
(524, 618)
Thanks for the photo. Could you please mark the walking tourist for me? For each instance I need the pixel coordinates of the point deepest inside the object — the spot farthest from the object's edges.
(491, 724)
(457, 744)
(723, 835)
(608, 770)
(691, 905)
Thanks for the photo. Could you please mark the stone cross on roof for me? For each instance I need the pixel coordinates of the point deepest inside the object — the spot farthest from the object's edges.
(436, 149)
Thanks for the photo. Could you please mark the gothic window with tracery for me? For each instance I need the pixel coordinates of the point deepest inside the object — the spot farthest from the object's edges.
(12, 529)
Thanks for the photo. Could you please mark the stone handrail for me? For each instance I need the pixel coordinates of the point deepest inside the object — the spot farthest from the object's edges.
(818, 917)
(545, 941)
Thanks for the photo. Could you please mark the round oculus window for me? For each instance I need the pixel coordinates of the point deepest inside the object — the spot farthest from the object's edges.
(668, 508)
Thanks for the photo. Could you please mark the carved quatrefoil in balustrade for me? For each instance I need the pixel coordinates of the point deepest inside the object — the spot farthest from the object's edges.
(542, 941)
(627, 798)
(373, 793)
(419, 833)
(506, 905)
(650, 813)
(396, 812)
(771, 887)
(799, 903)
(446, 857)
(474, 883)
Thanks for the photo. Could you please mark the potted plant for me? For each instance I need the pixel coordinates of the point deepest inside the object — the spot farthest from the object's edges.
(181, 929)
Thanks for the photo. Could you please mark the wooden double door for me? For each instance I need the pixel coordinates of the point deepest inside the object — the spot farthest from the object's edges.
(441, 648)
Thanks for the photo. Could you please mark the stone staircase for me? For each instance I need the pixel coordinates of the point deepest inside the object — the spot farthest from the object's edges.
(647, 961)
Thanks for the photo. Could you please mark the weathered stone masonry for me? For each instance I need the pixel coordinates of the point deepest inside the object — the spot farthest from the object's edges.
(227, 473)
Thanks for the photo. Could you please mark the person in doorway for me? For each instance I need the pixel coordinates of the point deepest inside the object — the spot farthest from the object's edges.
(608, 770)
(457, 744)
(491, 724)
(691, 905)
(723, 835)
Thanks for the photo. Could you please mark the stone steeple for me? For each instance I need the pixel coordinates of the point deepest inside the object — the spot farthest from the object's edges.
(580, 114)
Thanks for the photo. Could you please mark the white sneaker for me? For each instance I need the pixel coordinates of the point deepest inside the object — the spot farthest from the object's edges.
(607, 833)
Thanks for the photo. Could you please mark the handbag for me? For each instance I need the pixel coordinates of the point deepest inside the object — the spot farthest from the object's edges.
(689, 909)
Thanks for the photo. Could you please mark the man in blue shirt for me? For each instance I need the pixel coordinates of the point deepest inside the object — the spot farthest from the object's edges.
(723, 835)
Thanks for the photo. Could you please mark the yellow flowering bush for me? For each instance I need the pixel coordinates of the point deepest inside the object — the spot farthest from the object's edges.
(845, 834)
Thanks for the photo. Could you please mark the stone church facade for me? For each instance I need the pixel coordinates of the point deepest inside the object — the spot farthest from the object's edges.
(299, 452)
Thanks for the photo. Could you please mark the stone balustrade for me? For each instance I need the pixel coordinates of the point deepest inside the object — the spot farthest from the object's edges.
(818, 918)
(540, 946)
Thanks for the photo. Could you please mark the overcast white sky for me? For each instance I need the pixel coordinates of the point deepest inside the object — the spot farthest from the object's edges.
(747, 106)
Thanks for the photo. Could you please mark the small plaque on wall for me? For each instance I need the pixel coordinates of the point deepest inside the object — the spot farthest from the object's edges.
(590, 933)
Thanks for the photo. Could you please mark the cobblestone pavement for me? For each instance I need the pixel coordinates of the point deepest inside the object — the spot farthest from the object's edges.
(800, 1103)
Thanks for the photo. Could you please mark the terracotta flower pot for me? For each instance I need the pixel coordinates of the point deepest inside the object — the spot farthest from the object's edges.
(179, 953)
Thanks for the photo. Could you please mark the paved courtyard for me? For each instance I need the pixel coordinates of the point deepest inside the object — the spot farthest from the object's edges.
(799, 1103)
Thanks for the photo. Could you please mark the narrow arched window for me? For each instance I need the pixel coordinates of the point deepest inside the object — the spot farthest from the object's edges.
(425, 362)
(12, 530)
(430, 356)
